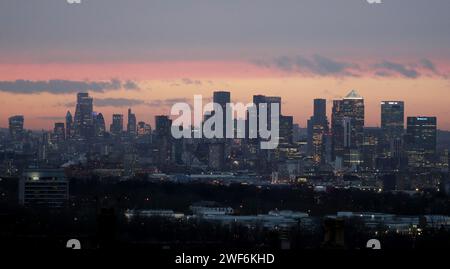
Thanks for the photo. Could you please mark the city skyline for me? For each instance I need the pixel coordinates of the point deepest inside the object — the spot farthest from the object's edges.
(124, 110)
(329, 148)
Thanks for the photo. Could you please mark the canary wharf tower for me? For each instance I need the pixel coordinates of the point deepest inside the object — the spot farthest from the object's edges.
(347, 127)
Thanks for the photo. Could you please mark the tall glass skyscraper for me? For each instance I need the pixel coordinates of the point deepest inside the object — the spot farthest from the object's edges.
(59, 132)
(16, 127)
(347, 126)
(131, 125)
(262, 99)
(286, 130)
(100, 127)
(392, 126)
(421, 141)
(163, 125)
(320, 109)
(84, 120)
(317, 132)
(116, 127)
(222, 98)
(69, 125)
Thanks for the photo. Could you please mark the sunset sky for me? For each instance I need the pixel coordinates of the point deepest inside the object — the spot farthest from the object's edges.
(149, 54)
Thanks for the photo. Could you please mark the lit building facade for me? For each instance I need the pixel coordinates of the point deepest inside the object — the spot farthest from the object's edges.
(116, 127)
(347, 127)
(16, 130)
(421, 141)
(317, 132)
(84, 120)
(43, 187)
(392, 125)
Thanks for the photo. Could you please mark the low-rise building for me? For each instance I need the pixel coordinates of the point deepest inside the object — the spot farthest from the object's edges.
(43, 187)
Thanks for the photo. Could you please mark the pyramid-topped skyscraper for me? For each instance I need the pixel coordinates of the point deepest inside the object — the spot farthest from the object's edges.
(347, 127)
(353, 94)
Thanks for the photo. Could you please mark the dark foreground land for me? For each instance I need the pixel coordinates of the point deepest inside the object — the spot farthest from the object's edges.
(95, 216)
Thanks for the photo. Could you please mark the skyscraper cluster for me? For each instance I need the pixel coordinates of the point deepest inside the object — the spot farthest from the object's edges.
(351, 145)
(88, 124)
(330, 147)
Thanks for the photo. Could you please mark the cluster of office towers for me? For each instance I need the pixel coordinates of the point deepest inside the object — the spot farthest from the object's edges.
(88, 124)
(220, 149)
(346, 143)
